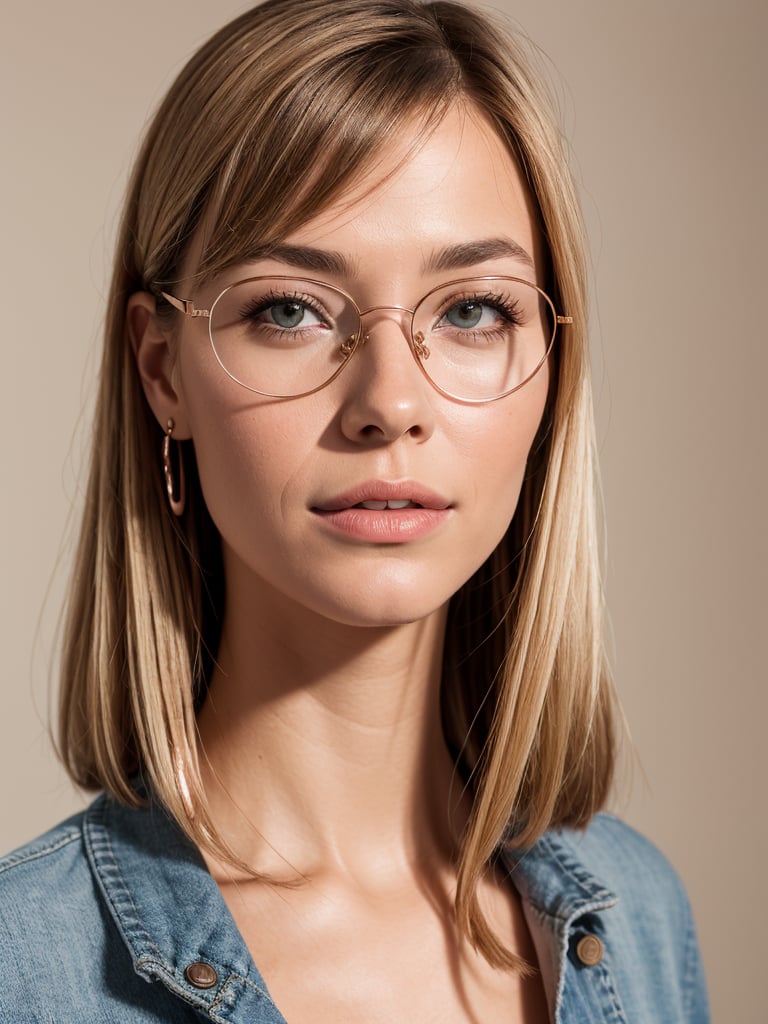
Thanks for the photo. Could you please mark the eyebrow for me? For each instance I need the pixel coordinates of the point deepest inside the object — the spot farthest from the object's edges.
(467, 254)
(451, 257)
(306, 258)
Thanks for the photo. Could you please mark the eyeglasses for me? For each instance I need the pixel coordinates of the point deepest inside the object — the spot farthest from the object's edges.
(475, 340)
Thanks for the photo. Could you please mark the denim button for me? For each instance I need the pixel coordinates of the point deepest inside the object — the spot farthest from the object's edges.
(589, 950)
(201, 975)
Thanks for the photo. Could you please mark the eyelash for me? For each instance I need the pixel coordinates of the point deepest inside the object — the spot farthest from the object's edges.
(248, 312)
(510, 310)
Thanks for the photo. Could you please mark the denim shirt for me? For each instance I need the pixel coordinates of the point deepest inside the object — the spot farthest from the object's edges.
(113, 918)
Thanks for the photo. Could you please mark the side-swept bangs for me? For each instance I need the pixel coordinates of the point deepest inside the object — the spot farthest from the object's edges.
(284, 121)
(273, 119)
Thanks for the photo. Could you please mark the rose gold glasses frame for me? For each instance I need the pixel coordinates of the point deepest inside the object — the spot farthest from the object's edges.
(419, 350)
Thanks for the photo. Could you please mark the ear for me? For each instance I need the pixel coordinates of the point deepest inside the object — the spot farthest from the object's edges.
(155, 353)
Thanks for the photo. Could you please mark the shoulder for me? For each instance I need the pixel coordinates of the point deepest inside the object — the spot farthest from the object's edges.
(62, 954)
(46, 887)
(624, 859)
(43, 867)
(649, 901)
(47, 909)
(55, 933)
(645, 921)
(611, 886)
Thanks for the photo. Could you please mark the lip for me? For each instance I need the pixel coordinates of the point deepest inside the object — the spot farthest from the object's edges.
(386, 526)
(385, 490)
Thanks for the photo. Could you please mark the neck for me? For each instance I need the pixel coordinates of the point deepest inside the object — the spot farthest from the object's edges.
(327, 750)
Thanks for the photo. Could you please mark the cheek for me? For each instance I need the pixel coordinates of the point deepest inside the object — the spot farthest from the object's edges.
(248, 462)
(491, 445)
(247, 448)
(498, 442)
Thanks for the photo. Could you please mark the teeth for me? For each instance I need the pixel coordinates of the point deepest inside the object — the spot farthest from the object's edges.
(379, 506)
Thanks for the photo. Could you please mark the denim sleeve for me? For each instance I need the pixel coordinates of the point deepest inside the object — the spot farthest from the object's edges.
(695, 991)
(660, 916)
(61, 956)
(661, 964)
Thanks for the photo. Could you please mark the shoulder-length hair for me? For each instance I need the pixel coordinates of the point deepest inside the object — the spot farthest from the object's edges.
(268, 123)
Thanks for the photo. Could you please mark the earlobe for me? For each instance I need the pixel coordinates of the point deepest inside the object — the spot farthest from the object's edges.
(152, 345)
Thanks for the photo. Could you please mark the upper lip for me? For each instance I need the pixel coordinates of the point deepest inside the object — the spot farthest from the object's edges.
(384, 490)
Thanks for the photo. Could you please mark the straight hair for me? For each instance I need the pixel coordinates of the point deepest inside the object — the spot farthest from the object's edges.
(269, 122)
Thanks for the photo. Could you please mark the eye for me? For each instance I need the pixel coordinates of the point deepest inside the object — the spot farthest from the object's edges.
(286, 314)
(471, 313)
(485, 313)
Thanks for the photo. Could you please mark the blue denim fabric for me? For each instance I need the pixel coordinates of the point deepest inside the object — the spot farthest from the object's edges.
(100, 917)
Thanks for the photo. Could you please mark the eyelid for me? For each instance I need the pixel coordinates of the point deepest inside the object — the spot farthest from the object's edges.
(274, 298)
(484, 298)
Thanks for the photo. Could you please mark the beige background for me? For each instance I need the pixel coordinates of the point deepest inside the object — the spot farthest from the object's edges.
(665, 104)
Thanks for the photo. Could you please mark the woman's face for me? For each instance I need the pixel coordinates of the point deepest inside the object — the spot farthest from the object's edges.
(280, 476)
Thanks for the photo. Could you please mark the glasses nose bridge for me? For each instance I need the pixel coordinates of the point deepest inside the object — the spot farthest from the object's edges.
(405, 323)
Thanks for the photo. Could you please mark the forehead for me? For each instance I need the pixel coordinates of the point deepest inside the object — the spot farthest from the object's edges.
(424, 190)
(457, 185)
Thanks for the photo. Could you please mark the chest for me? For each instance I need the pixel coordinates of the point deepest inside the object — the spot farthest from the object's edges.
(335, 957)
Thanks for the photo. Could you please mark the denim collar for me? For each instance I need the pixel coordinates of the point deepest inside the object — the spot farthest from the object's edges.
(552, 878)
(557, 891)
(171, 914)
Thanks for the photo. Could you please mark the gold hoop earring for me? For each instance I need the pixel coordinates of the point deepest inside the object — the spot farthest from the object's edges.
(177, 499)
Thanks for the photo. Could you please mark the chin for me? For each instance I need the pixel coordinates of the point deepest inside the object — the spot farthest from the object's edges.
(386, 609)
(386, 619)
(382, 592)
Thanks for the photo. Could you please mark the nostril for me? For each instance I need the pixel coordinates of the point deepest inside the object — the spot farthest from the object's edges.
(373, 431)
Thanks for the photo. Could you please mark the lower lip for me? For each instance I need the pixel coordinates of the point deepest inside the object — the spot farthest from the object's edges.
(393, 526)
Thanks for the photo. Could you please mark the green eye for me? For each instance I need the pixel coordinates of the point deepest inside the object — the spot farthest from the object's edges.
(465, 314)
(288, 314)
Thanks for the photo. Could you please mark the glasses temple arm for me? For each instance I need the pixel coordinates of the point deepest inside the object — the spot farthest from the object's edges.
(185, 306)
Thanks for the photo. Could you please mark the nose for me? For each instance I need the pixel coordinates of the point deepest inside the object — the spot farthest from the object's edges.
(387, 396)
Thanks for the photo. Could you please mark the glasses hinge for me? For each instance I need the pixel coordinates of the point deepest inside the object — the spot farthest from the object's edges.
(185, 306)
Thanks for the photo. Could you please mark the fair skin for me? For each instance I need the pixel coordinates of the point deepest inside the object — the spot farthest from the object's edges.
(321, 745)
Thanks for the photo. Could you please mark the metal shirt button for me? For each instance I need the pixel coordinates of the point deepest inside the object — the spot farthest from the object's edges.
(201, 975)
(589, 950)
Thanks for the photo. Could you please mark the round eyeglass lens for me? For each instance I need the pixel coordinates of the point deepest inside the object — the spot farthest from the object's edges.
(475, 339)
(282, 336)
(482, 338)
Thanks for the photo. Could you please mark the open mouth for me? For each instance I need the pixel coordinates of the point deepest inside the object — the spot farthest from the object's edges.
(384, 512)
(384, 496)
(380, 506)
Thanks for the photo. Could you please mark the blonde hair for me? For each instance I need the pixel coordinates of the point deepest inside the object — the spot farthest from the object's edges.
(307, 92)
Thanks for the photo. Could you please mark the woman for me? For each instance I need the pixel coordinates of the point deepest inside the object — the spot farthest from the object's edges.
(334, 642)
